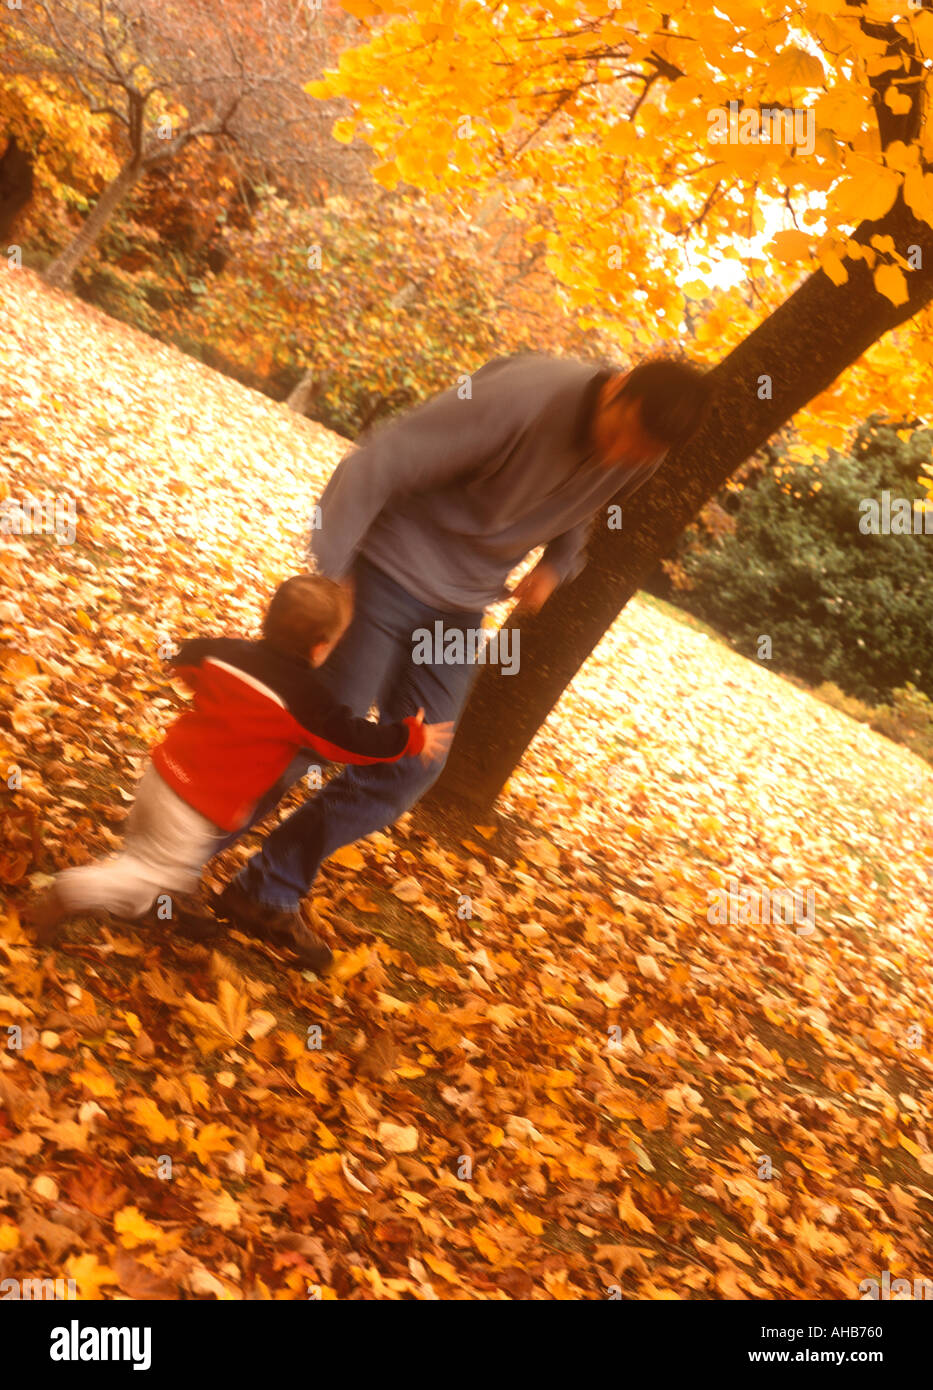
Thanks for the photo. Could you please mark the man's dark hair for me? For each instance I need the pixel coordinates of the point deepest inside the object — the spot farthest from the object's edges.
(674, 398)
(305, 610)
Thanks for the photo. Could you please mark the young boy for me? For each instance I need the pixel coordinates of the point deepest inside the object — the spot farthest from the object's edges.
(255, 705)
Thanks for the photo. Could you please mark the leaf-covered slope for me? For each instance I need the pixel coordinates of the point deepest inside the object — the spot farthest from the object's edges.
(584, 1083)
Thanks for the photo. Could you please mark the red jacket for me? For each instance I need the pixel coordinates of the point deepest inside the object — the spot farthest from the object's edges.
(253, 709)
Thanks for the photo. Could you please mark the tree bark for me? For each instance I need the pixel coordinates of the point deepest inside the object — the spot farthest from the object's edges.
(300, 394)
(803, 346)
(60, 272)
(304, 396)
(16, 184)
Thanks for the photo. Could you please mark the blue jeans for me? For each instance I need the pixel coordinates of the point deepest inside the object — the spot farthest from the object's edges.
(372, 665)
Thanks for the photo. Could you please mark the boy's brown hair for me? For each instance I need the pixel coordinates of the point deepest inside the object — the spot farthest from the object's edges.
(303, 611)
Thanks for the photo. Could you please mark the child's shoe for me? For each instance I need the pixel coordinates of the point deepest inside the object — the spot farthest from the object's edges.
(45, 914)
(193, 916)
(280, 928)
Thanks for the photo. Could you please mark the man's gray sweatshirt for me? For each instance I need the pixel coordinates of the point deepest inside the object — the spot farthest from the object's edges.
(450, 497)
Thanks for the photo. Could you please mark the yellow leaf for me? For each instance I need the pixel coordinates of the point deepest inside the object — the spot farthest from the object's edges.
(442, 1267)
(89, 1276)
(134, 1229)
(149, 1117)
(487, 1248)
(621, 138)
(13, 1007)
(211, 1139)
(197, 1088)
(503, 1015)
(219, 1209)
(918, 194)
(791, 246)
(868, 193)
(261, 1024)
(897, 101)
(350, 963)
(327, 1138)
(19, 665)
(215, 1025)
(529, 1222)
(649, 967)
(794, 67)
(387, 174)
(361, 9)
(560, 1078)
(891, 282)
(407, 890)
(388, 1004)
(9, 1237)
(310, 1079)
(96, 1080)
(630, 1215)
(362, 903)
(348, 857)
(833, 266)
(325, 1177)
(398, 1139)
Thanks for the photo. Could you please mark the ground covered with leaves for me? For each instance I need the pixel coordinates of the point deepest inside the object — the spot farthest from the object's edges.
(584, 1085)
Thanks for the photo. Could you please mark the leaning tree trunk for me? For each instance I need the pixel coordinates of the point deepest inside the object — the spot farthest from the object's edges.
(16, 184)
(802, 347)
(300, 394)
(60, 272)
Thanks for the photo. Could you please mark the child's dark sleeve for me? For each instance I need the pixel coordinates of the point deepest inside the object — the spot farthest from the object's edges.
(343, 737)
(188, 658)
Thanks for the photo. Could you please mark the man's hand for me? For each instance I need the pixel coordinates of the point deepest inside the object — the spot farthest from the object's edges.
(536, 588)
(347, 581)
(348, 584)
(437, 738)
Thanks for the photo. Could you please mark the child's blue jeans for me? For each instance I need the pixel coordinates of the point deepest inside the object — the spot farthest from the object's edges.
(372, 665)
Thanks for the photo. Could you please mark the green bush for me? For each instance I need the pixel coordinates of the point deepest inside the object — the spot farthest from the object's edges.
(908, 719)
(839, 605)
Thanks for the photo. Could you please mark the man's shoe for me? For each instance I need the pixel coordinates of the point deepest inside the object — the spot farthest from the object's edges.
(278, 927)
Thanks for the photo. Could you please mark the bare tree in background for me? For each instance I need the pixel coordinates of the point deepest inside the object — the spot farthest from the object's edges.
(171, 72)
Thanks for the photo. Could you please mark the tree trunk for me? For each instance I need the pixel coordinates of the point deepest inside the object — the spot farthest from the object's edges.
(16, 184)
(803, 346)
(304, 395)
(300, 394)
(60, 272)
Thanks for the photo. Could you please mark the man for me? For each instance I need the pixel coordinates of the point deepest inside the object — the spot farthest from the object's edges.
(423, 523)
